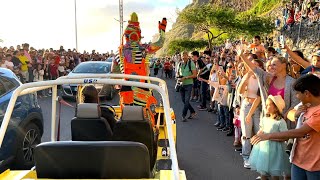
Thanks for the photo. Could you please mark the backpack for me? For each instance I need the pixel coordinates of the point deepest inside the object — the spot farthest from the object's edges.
(189, 65)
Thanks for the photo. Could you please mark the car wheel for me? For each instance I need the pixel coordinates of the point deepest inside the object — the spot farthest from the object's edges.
(28, 139)
(109, 91)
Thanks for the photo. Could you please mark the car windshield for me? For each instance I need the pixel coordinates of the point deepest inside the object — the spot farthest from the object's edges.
(92, 68)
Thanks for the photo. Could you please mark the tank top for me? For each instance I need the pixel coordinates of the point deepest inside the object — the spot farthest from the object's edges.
(214, 77)
(252, 88)
(274, 91)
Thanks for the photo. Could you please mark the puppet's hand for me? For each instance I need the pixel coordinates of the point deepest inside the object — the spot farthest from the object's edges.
(163, 25)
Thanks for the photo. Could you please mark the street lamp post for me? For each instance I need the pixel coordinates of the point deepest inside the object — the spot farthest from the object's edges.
(75, 22)
(121, 18)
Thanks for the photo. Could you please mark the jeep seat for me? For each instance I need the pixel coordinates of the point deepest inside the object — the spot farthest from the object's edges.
(134, 127)
(88, 125)
(92, 160)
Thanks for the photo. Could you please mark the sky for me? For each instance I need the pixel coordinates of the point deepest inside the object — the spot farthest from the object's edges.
(51, 23)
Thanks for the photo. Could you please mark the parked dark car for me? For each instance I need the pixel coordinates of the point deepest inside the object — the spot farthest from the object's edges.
(25, 128)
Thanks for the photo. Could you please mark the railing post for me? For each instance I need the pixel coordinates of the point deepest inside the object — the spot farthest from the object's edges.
(54, 112)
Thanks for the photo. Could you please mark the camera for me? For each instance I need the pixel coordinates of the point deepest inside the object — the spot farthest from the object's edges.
(178, 85)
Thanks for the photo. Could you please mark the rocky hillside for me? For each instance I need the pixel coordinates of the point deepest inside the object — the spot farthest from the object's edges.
(302, 37)
(180, 30)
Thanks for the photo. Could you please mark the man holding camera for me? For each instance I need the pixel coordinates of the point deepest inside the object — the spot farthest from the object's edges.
(204, 73)
(186, 73)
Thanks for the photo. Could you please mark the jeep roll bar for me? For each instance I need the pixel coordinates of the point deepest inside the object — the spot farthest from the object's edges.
(95, 79)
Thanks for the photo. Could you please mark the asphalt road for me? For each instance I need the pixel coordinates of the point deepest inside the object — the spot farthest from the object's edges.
(203, 152)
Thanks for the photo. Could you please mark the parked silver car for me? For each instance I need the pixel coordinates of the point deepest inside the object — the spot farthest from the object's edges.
(90, 67)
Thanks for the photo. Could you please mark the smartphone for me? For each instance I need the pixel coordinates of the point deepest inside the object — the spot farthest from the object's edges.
(234, 72)
(282, 41)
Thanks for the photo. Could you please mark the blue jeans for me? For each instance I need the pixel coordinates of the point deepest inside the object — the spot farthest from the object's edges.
(223, 113)
(185, 93)
(204, 88)
(298, 173)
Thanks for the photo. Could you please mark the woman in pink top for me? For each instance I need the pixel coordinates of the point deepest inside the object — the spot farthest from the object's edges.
(306, 155)
(276, 82)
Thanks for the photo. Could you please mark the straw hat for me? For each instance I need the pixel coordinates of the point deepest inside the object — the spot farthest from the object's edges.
(278, 101)
(317, 53)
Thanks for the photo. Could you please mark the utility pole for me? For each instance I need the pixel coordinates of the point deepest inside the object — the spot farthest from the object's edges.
(121, 18)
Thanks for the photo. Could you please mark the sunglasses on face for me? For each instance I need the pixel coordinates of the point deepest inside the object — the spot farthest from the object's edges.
(230, 66)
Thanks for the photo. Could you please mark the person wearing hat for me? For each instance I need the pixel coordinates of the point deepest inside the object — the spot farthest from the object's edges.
(309, 67)
(305, 154)
(269, 157)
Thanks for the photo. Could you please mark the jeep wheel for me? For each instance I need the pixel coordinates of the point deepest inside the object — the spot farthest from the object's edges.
(27, 141)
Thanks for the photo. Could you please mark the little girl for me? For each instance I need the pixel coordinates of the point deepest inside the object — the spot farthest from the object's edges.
(237, 127)
(38, 76)
(269, 157)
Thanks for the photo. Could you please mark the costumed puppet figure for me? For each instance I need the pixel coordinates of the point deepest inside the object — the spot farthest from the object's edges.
(133, 59)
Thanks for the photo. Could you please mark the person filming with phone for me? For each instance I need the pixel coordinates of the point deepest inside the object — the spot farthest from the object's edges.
(185, 74)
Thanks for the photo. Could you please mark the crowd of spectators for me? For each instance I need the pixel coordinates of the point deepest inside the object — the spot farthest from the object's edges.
(300, 10)
(31, 65)
(255, 91)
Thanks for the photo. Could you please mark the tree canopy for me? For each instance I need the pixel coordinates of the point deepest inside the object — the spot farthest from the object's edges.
(186, 45)
(226, 20)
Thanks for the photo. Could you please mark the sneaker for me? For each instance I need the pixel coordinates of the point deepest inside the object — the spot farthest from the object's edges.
(259, 177)
(217, 124)
(184, 119)
(238, 150)
(220, 128)
(193, 115)
(203, 109)
(210, 110)
(226, 129)
(246, 164)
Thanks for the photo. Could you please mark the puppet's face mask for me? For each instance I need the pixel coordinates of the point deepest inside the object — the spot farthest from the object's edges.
(133, 32)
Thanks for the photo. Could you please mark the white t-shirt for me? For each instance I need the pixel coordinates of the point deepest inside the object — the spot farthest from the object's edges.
(221, 94)
(299, 124)
(214, 77)
(9, 64)
(61, 68)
